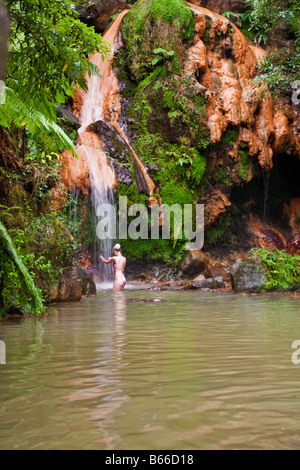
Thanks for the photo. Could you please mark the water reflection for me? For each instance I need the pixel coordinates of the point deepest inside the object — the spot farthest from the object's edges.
(195, 371)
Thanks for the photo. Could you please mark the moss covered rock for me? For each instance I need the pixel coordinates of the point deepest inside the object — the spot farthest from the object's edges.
(156, 31)
(249, 275)
(266, 270)
(72, 285)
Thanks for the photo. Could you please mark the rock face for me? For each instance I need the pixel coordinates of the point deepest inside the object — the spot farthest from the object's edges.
(264, 236)
(99, 12)
(116, 148)
(73, 284)
(225, 62)
(220, 6)
(248, 276)
(287, 127)
(215, 203)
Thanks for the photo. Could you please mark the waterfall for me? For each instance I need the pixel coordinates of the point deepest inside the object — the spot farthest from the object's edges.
(102, 192)
(102, 103)
(101, 95)
(266, 182)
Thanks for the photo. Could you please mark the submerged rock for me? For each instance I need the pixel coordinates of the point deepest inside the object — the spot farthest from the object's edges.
(88, 285)
(210, 283)
(249, 275)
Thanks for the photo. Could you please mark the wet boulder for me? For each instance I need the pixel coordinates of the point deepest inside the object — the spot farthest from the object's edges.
(88, 285)
(73, 284)
(250, 275)
(98, 12)
(194, 263)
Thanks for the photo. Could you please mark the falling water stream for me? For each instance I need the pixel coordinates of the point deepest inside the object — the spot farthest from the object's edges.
(92, 109)
(102, 103)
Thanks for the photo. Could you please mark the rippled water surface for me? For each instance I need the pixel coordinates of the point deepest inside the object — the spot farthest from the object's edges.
(197, 371)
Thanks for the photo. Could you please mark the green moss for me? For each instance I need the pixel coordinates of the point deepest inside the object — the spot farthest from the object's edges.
(223, 176)
(154, 250)
(174, 193)
(132, 194)
(199, 166)
(220, 233)
(283, 270)
(230, 136)
(207, 33)
(156, 24)
(244, 164)
(199, 102)
(171, 11)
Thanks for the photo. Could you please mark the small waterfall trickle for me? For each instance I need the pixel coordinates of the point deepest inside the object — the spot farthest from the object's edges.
(73, 210)
(266, 181)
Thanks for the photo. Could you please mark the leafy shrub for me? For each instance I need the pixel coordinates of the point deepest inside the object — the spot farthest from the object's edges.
(283, 270)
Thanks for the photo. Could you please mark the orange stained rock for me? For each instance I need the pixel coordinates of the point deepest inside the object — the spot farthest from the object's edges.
(265, 236)
(77, 171)
(259, 53)
(292, 211)
(227, 74)
(215, 203)
(104, 104)
(282, 134)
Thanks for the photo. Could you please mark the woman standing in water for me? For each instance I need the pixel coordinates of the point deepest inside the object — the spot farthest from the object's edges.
(119, 265)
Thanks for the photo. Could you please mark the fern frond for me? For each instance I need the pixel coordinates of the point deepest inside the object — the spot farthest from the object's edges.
(24, 110)
(37, 302)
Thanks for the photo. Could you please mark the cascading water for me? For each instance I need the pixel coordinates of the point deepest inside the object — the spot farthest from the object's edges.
(102, 103)
(102, 183)
(92, 171)
(93, 105)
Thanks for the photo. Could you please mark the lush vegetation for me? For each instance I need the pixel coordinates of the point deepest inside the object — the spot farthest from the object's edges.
(281, 68)
(174, 26)
(48, 55)
(42, 246)
(49, 50)
(283, 270)
(10, 261)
